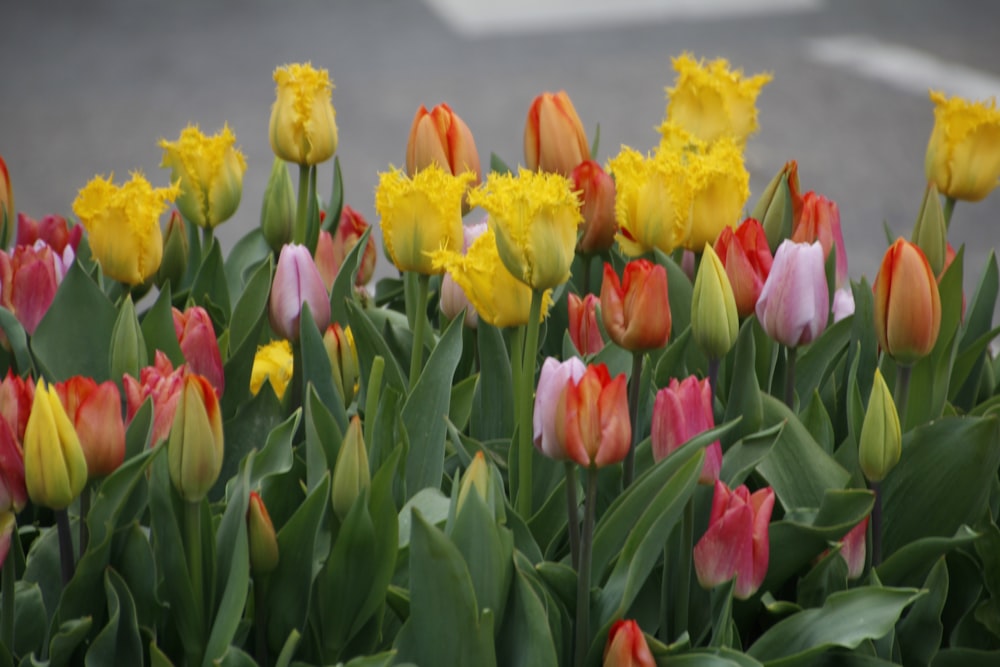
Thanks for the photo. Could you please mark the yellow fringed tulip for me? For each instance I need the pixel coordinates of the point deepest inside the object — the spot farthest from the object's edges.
(273, 362)
(55, 468)
(421, 215)
(963, 155)
(720, 189)
(535, 217)
(303, 127)
(123, 224)
(210, 173)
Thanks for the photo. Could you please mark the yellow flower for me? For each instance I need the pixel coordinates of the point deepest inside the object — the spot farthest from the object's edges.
(652, 201)
(55, 468)
(712, 101)
(123, 224)
(303, 126)
(420, 215)
(963, 155)
(499, 298)
(535, 217)
(273, 362)
(720, 189)
(210, 172)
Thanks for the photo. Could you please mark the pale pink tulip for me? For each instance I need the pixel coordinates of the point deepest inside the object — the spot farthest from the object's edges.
(794, 304)
(453, 298)
(552, 383)
(683, 410)
(297, 281)
(843, 303)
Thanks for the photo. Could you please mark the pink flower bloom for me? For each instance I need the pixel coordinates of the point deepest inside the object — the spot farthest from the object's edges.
(200, 347)
(13, 492)
(683, 410)
(297, 281)
(597, 205)
(53, 229)
(583, 328)
(29, 278)
(736, 542)
(163, 383)
(96, 413)
(843, 303)
(794, 304)
(852, 549)
(16, 397)
(552, 383)
(627, 646)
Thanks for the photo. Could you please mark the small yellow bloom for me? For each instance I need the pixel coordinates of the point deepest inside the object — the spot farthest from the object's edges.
(123, 223)
(55, 468)
(963, 155)
(535, 217)
(273, 362)
(421, 215)
(499, 298)
(710, 100)
(652, 200)
(210, 172)
(720, 189)
(303, 126)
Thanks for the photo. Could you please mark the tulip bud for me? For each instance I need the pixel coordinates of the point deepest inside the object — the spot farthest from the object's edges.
(6, 206)
(175, 252)
(55, 469)
(907, 304)
(930, 233)
(441, 137)
(596, 191)
(794, 305)
(273, 362)
(53, 229)
(550, 405)
(196, 337)
(714, 320)
(852, 549)
(96, 414)
(343, 356)
(332, 250)
(303, 126)
(881, 441)
(128, 346)
(351, 476)
(30, 277)
(820, 221)
(195, 447)
(16, 397)
(636, 311)
(260, 535)
(583, 328)
(476, 477)
(681, 411)
(296, 282)
(747, 258)
(277, 213)
(554, 139)
(13, 493)
(627, 646)
(780, 206)
(597, 429)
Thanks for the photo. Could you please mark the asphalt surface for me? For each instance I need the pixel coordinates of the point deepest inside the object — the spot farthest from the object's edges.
(89, 88)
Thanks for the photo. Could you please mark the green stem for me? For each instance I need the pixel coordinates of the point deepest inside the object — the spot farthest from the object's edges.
(207, 235)
(583, 574)
(949, 207)
(302, 208)
(260, 619)
(192, 545)
(877, 525)
(84, 511)
(516, 371)
(585, 283)
(572, 514)
(684, 565)
(66, 559)
(713, 375)
(419, 327)
(374, 391)
(298, 377)
(902, 393)
(8, 584)
(790, 379)
(663, 633)
(526, 393)
(633, 412)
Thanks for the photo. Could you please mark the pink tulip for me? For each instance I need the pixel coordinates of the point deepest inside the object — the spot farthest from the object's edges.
(163, 383)
(196, 337)
(683, 410)
(852, 549)
(53, 229)
(583, 328)
(29, 278)
(551, 392)
(332, 250)
(736, 542)
(597, 429)
(794, 304)
(16, 397)
(13, 492)
(627, 646)
(296, 282)
(96, 413)
(843, 303)
(820, 221)
(453, 298)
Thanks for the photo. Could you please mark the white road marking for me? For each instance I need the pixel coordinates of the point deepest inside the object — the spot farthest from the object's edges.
(903, 68)
(490, 17)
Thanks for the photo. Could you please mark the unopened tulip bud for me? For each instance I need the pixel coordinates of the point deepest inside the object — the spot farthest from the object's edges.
(714, 319)
(96, 414)
(852, 549)
(881, 441)
(476, 477)
(263, 542)
(583, 328)
(554, 139)
(175, 252)
(636, 310)
(296, 282)
(6, 207)
(339, 344)
(351, 476)
(820, 221)
(780, 207)
(440, 137)
(682, 410)
(196, 337)
(907, 303)
(277, 213)
(747, 258)
(931, 233)
(13, 493)
(128, 346)
(195, 447)
(596, 191)
(55, 468)
(627, 646)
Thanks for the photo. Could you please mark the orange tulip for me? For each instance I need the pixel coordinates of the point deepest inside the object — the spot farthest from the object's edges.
(596, 429)
(583, 329)
(596, 191)
(554, 139)
(820, 221)
(636, 311)
(95, 411)
(907, 303)
(627, 646)
(747, 258)
(440, 136)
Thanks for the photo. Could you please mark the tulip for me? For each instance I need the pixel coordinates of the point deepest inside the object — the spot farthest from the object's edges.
(123, 226)
(720, 189)
(554, 139)
(627, 646)
(930, 233)
(747, 259)
(681, 411)
(420, 215)
(712, 101)
(596, 191)
(16, 396)
(535, 218)
(161, 382)
(332, 250)
(583, 328)
(636, 311)
(277, 212)
(780, 207)
(963, 154)
(843, 303)
(272, 362)
(794, 304)
(343, 354)
(29, 279)
(303, 126)
(13, 492)
(53, 229)
(595, 429)
(263, 543)
(550, 400)
(852, 549)
(714, 319)
(297, 282)
(907, 304)
(351, 476)
(55, 468)
(195, 447)
(440, 137)
(6, 205)
(820, 221)
(196, 336)
(175, 252)
(736, 542)
(881, 441)
(210, 173)
(95, 412)
(477, 477)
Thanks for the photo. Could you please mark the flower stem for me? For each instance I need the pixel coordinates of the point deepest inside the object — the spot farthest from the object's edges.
(583, 573)
(419, 327)
(713, 375)
(84, 511)
(949, 207)
(585, 283)
(790, 379)
(192, 544)
(633, 410)
(66, 559)
(374, 392)
(525, 394)
(684, 565)
(663, 633)
(302, 208)
(877, 525)
(260, 618)
(902, 393)
(9, 583)
(572, 514)
(207, 235)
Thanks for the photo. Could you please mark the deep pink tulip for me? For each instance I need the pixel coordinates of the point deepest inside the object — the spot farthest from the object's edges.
(794, 304)
(820, 221)
(683, 410)
(53, 229)
(736, 542)
(163, 383)
(96, 413)
(552, 383)
(196, 336)
(297, 281)
(596, 429)
(29, 278)
(13, 492)
(627, 646)
(16, 397)
(583, 328)
(852, 549)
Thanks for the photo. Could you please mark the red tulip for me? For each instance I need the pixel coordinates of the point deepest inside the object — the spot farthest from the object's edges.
(13, 492)
(747, 258)
(550, 405)
(794, 305)
(596, 190)
(907, 303)
(583, 328)
(820, 221)
(627, 646)
(683, 410)
(163, 383)
(16, 397)
(29, 278)
(596, 429)
(53, 229)
(332, 250)
(636, 311)
(554, 139)
(95, 411)
(296, 282)
(196, 336)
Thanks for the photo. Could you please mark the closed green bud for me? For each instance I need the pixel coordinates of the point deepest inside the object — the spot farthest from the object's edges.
(881, 437)
(277, 214)
(350, 475)
(128, 347)
(714, 318)
(195, 448)
(476, 477)
(175, 252)
(260, 534)
(930, 233)
(779, 207)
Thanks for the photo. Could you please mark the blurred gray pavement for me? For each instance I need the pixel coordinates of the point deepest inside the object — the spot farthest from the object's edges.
(89, 87)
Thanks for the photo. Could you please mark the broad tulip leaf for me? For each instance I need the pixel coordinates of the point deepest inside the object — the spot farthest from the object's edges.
(525, 637)
(246, 253)
(30, 619)
(908, 565)
(920, 632)
(671, 363)
(460, 402)
(238, 365)
(66, 639)
(210, 289)
(249, 429)
(251, 305)
(18, 341)
(336, 204)
(846, 619)
(744, 392)
(711, 658)
(132, 558)
(828, 576)
(817, 421)
(965, 657)
(235, 657)
(679, 289)
(343, 284)
(431, 504)
(275, 458)
(139, 430)
(323, 439)
(158, 330)
(371, 344)
(316, 369)
(493, 405)
(815, 365)
(119, 642)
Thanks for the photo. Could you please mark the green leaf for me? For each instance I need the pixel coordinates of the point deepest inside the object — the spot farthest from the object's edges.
(336, 203)
(323, 439)
(18, 341)
(235, 657)
(920, 632)
(908, 565)
(744, 392)
(679, 289)
(671, 363)
(245, 254)
(965, 657)
(431, 504)
(493, 405)
(119, 641)
(158, 329)
(820, 359)
(711, 658)
(210, 289)
(316, 369)
(30, 620)
(371, 344)
(817, 421)
(498, 165)
(251, 305)
(249, 429)
(347, 275)
(488, 550)
(132, 558)
(66, 639)
(525, 637)
(276, 456)
(460, 403)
